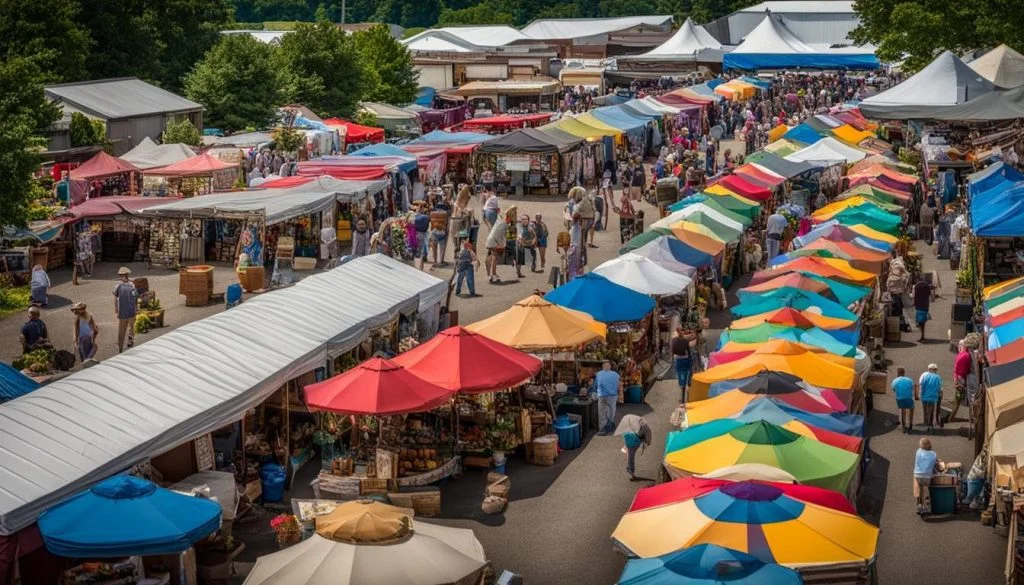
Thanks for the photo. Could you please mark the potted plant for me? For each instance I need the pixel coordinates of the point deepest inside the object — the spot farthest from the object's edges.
(152, 309)
(287, 529)
(501, 437)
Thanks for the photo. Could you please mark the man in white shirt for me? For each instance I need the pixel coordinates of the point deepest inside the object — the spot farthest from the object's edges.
(775, 227)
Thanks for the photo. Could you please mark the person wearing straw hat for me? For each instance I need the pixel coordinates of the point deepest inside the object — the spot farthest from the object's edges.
(126, 298)
(86, 332)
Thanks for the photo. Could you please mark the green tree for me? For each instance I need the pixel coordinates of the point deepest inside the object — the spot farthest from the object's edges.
(396, 81)
(182, 132)
(288, 139)
(483, 13)
(123, 36)
(24, 113)
(85, 131)
(916, 31)
(185, 31)
(48, 32)
(237, 82)
(323, 68)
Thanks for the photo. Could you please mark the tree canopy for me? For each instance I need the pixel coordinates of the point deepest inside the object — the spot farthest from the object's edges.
(182, 132)
(395, 80)
(238, 83)
(323, 69)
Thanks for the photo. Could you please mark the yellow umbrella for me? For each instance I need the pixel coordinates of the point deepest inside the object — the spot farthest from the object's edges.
(994, 290)
(777, 132)
(577, 128)
(873, 234)
(851, 135)
(534, 324)
(704, 243)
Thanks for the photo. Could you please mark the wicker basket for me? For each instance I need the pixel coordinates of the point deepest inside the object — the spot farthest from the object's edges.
(426, 503)
(498, 485)
(252, 278)
(545, 450)
(372, 486)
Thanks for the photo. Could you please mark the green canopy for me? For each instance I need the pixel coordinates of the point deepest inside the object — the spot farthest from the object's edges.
(872, 192)
(644, 238)
(714, 203)
(846, 294)
(767, 331)
(872, 217)
(1011, 293)
(735, 205)
(722, 231)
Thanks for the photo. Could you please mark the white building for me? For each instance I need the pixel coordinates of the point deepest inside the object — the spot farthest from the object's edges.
(822, 22)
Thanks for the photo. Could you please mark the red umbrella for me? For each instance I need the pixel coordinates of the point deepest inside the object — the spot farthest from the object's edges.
(463, 361)
(691, 487)
(376, 386)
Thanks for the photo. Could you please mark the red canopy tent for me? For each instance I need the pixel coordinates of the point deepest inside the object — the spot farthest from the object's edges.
(763, 176)
(355, 133)
(738, 185)
(691, 487)
(285, 182)
(201, 165)
(506, 122)
(350, 172)
(1006, 354)
(117, 205)
(100, 166)
(463, 361)
(377, 386)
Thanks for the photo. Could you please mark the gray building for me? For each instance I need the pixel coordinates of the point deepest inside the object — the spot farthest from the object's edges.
(816, 22)
(131, 109)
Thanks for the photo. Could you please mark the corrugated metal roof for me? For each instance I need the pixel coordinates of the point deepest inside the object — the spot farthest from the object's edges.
(126, 97)
(571, 28)
(77, 431)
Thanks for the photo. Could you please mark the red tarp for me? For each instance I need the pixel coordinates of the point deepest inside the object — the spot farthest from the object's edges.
(1007, 353)
(102, 165)
(1004, 318)
(853, 118)
(431, 147)
(688, 488)
(506, 122)
(745, 188)
(357, 133)
(349, 172)
(754, 179)
(760, 175)
(285, 182)
(200, 165)
(377, 386)
(678, 100)
(464, 361)
(117, 205)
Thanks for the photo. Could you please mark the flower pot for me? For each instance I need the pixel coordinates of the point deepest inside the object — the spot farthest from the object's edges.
(157, 317)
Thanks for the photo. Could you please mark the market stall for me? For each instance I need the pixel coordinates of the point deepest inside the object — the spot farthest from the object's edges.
(197, 175)
(531, 161)
(104, 175)
(116, 224)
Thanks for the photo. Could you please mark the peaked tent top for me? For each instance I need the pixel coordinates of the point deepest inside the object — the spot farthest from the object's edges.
(772, 36)
(690, 40)
(946, 81)
(1002, 66)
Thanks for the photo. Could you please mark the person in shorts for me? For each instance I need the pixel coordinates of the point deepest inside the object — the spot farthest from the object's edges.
(903, 388)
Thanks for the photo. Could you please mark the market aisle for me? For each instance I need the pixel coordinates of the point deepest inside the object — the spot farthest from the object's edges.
(910, 550)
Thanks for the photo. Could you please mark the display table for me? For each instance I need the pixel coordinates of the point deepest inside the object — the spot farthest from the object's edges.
(584, 407)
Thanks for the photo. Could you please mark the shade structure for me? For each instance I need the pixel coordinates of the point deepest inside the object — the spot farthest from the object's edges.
(148, 154)
(777, 411)
(643, 275)
(687, 488)
(755, 385)
(101, 165)
(836, 290)
(1004, 334)
(707, 203)
(828, 150)
(377, 386)
(838, 341)
(127, 516)
(750, 472)
(644, 238)
(368, 543)
(706, 564)
(723, 442)
(197, 166)
(875, 219)
(755, 518)
(737, 184)
(791, 316)
(14, 384)
(780, 356)
(761, 388)
(832, 438)
(534, 324)
(870, 233)
(602, 299)
(820, 252)
(860, 257)
(356, 133)
(1006, 354)
(706, 215)
(673, 254)
(736, 204)
(463, 361)
(803, 133)
(875, 193)
(946, 81)
(827, 267)
(699, 236)
(795, 298)
(840, 233)
(839, 205)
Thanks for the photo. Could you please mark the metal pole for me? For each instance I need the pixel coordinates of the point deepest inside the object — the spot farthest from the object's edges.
(342, 11)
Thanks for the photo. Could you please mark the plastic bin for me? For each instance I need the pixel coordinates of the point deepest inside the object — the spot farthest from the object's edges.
(272, 478)
(943, 499)
(568, 433)
(634, 394)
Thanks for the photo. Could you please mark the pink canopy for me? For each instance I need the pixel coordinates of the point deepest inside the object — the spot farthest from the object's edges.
(202, 165)
(116, 205)
(100, 166)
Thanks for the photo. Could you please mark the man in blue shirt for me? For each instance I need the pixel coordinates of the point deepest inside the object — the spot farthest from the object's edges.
(903, 388)
(930, 385)
(607, 383)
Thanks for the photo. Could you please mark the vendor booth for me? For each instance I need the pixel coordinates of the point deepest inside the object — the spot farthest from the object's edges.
(104, 175)
(531, 161)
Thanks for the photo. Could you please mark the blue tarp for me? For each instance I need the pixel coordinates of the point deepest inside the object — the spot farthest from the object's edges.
(756, 82)
(602, 299)
(127, 516)
(425, 96)
(14, 384)
(795, 298)
(617, 117)
(686, 253)
(803, 133)
(1005, 334)
(385, 149)
(715, 82)
(994, 175)
(454, 137)
(830, 61)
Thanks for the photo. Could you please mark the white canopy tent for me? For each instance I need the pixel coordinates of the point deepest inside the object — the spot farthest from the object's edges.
(772, 45)
(150, 155)
(660, 252)
(74, 432)
(828, 150)
(277, 204)
(691, 43)
(1002, 66)
(643, 275)
(676, 216)
(946, 81)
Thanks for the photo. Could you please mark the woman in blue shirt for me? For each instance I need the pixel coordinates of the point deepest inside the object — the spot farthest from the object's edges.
(926, 464)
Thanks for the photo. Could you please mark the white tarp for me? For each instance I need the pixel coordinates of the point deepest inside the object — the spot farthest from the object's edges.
(946, 81)
(1002, 66)
(677, 216)
(643, 275)
(68, 435)
(277, 204)
(659, 252)
(150, 155)
(828, 150)
(691, 42)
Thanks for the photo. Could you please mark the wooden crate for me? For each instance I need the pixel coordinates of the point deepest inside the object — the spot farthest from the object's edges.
(545, 450)
(876, 382)
(252, 278)
(892, 329)
(369, 486)
(425, 502)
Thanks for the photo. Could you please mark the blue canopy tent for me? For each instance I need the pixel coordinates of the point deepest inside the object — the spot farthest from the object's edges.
(826, 61)
(454, 137)
(425, 96)
(127, 516)
(635, 128)
(999, 173)
(14, 384)
(706, 564)
(602, 299)
(714, 82)
(760, 83)
(1005, 334)
(684, 252)
(814, 336)
(795, 298)
(640, 109)
(803, 133)
(385, 149)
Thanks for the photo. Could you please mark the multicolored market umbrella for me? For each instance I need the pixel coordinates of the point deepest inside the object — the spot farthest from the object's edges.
(377, 386)
(817, 340)
(687, 488)
(871, 233)
(732, 403)
(845, 442)
(699, 237)
(873, 217)
(834, 231)
(644, 238)
(780, 356)
(754, 518)
(706, 564)
(460, 360)
(794, 298)
(844, 340)
(795, 317)
(703, 448)
(602, 299)
(778, 412)
(534, 324)
(827, 267)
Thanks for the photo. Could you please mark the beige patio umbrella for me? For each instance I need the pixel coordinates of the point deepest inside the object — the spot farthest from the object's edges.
(369, 543)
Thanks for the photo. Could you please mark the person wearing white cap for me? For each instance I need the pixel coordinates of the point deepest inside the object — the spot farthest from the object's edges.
(930, 385)
(125, 307)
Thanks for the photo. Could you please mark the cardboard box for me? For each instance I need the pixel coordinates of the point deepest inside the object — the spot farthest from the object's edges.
(876, 382)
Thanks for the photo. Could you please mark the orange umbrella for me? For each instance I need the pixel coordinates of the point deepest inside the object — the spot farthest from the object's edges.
(705, 244)
(860, 258)
(793, 279)
(779, 356)
(791, 316)
(827, 267)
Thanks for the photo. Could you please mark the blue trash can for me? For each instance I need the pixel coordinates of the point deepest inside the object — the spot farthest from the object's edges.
(272, 478)
(568, 433)
(634, 394)
(233, 295)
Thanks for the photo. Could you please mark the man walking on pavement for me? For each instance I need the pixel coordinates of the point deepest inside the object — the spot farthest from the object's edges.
(606, 383)
(775, 227)
(922, 304)
(125, 307)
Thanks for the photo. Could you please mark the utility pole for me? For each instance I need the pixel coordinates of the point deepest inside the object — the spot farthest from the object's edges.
(342, 11)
